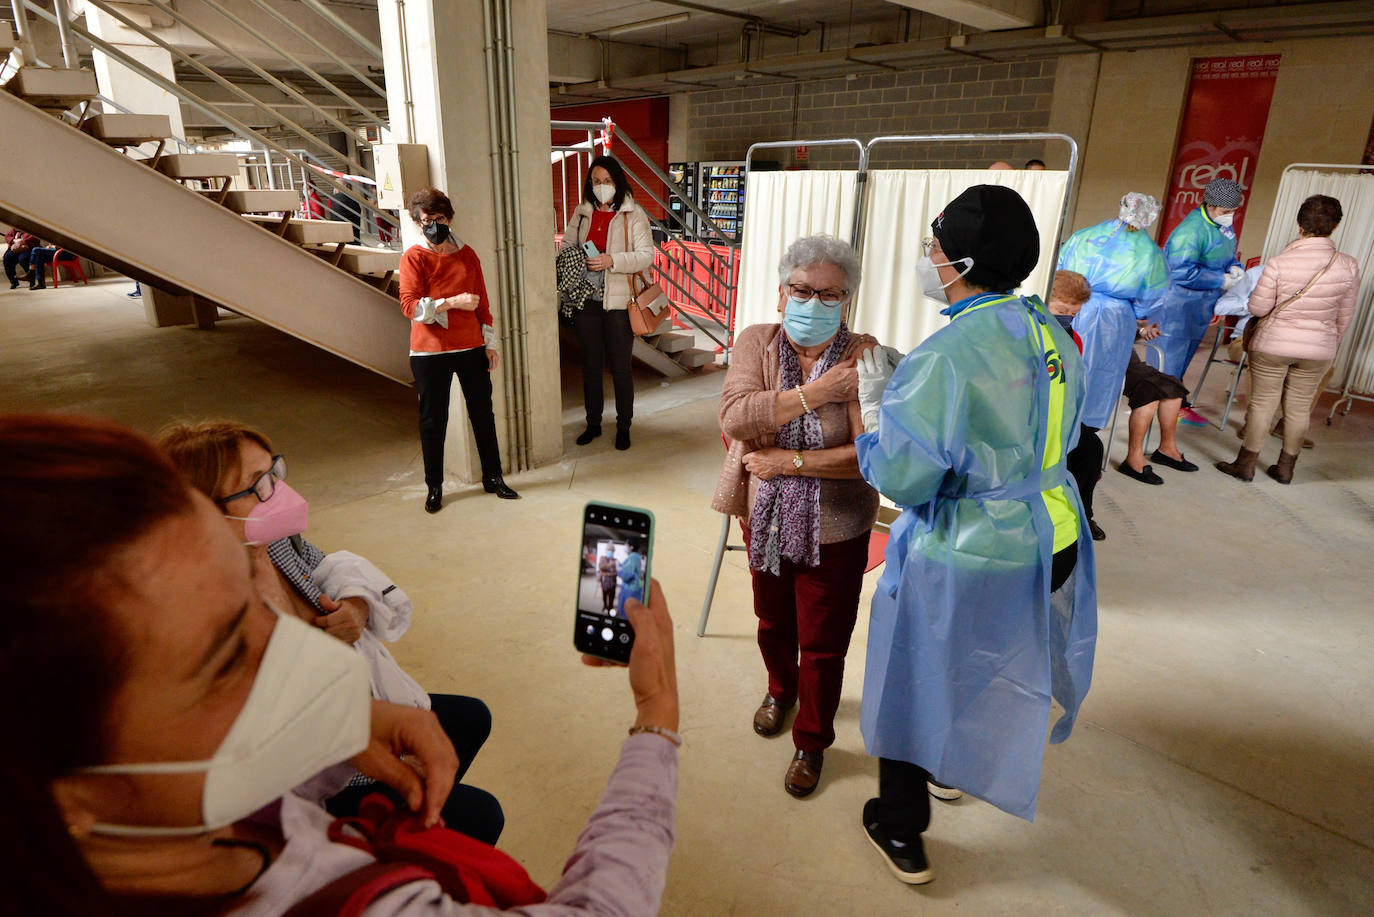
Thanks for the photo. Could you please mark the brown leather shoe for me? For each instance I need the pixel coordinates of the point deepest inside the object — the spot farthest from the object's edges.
(803, 773)
(769, 717)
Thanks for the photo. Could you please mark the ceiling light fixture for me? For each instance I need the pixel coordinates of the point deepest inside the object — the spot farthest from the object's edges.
(647, 24)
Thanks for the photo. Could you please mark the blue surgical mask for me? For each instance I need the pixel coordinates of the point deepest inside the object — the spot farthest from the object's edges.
(809, 322)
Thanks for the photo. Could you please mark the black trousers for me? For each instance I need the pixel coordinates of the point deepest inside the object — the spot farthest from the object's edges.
(476, 813)
(1084, 462)
(433, 382)
(605, 337)
(13, 259)
(903, 807)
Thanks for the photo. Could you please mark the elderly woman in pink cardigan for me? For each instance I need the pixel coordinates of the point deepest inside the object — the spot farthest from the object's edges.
(789, 410)
(1304, 302)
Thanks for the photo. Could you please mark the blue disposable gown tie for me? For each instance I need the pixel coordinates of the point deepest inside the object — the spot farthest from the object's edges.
(1199, 252)
(1128, 278)
(964, 648)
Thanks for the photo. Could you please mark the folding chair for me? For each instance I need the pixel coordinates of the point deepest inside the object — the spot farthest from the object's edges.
(1111, 431)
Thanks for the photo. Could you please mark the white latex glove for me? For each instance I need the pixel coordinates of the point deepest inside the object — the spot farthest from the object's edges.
(1234, 275)
(875, 369)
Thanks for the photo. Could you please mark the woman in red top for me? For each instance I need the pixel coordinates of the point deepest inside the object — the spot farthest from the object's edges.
(609, 218)
(444, 296)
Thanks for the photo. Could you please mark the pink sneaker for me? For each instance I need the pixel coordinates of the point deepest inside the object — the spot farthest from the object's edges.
(1188, 415)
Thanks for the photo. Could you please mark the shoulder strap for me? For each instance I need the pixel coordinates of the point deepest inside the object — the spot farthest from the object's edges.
(1298, 295)
(351, 894)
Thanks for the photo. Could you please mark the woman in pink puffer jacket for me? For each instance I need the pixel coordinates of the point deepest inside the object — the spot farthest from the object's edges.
(1292, 348)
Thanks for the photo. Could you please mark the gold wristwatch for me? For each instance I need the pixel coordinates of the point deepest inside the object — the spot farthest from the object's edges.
(797, 460)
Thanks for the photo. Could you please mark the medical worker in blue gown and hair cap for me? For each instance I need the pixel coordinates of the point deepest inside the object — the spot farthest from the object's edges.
(987, 607)
(1201, 254)
(1126, 271)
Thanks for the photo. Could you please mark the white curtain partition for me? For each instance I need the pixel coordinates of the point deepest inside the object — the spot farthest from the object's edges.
(1355, 236)
(901, 206)
(780, 207)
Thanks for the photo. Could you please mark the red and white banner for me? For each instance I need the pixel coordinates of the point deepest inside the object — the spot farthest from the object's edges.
(1223, 127)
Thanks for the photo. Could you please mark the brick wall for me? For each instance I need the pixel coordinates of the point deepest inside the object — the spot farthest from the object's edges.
(956, 98)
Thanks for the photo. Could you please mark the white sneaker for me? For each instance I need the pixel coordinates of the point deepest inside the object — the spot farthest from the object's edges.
(940, 791)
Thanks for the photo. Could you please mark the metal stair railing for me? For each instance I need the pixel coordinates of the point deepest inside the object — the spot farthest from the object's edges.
(214, 112)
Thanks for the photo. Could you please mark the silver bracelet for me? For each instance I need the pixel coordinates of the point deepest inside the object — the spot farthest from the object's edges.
(658, 731)
(800, 394)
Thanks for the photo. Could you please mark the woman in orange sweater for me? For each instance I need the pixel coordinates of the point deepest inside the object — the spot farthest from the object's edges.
(445, 298)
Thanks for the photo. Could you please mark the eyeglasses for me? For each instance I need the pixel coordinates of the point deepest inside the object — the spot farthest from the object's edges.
(263, 485)
(831, 298)
(430, 222)
(927, 246)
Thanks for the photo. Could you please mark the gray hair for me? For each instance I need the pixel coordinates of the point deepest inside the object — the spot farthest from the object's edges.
(825, 249)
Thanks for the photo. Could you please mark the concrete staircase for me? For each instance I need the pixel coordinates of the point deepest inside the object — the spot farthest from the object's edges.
(173, 222)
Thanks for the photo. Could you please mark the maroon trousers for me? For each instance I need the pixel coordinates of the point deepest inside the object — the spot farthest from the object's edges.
(806, 617)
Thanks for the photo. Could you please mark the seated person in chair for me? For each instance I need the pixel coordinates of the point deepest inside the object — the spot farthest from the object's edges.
(340, 593)
(1152, 393)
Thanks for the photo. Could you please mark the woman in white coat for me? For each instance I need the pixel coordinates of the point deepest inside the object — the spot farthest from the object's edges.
(609, 218)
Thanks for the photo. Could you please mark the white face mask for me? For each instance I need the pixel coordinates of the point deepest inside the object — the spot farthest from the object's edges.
(928, 278)
(604, 193)
(309, 708)
(1224, 219)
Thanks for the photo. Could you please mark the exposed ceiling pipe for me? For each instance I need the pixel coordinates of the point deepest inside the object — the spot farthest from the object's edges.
(783, 30)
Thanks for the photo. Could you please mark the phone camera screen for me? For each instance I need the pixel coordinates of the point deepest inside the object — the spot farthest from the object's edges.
(613, 568)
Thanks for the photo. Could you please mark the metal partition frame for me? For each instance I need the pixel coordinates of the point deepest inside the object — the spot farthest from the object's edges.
(975, 138)
(861, 178)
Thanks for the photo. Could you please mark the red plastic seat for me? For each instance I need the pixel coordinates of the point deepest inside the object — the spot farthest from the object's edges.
(72, 262)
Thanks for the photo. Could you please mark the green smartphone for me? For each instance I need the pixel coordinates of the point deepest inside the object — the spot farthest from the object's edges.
(612, 568)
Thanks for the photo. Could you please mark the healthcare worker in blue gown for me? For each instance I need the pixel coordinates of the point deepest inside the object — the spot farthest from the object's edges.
(987, 608)
(1201, 254)
(1126, 271)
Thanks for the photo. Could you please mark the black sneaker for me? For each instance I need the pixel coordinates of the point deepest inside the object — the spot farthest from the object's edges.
(906, 859)
(943, 791)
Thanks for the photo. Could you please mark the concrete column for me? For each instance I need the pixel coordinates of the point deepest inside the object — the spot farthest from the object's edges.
(438, 95)
(126, 87)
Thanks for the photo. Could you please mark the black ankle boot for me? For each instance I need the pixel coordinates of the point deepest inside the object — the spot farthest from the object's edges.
(495, 484)
(435, 501)
(592, 432)
(622, 438)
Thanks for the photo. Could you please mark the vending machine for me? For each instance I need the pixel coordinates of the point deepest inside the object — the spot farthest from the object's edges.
(722, 195)
(685, 175)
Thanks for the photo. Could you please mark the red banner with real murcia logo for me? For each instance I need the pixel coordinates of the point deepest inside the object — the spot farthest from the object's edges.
(1223, 127)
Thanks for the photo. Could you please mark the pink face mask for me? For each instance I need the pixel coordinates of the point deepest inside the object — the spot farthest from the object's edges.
(282, 515)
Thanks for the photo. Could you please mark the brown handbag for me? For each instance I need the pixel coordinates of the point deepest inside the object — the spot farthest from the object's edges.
(648, 305)
(1248, 336)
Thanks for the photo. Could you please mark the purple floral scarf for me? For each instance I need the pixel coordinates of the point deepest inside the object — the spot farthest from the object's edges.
(787, 509)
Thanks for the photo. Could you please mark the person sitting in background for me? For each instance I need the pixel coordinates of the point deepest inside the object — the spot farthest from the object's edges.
(1035, 165)
(40, 256)
(1067, 296)
(1304, 302)
(789, 411)
(18, 244)
(1150, 394)
(158, 769)
(339, 593)
(1000, 166)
